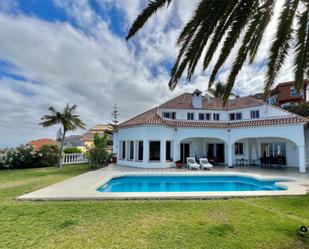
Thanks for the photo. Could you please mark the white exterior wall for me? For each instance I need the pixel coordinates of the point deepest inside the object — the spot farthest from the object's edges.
(266, 111)
(292, 135)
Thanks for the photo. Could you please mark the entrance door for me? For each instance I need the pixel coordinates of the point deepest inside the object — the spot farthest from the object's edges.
(220, 153)
(215, 153)
(184, 152)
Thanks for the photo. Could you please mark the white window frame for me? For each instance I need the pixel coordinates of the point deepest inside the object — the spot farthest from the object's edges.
(237, 148)
(255, 114)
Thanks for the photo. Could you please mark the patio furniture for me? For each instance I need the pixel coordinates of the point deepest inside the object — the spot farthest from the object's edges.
(192, 164)
(241, 162)
(205, 163)
(273, 162)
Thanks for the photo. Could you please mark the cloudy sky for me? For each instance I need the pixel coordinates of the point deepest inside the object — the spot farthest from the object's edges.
(54, 52)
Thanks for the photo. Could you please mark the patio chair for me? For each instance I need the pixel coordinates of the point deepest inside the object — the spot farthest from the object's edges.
(205, 164)
(191, 163)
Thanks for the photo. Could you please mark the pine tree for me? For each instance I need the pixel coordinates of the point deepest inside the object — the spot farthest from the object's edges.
(114, 115)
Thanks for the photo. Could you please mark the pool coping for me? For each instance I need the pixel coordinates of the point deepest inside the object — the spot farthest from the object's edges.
(84, 187)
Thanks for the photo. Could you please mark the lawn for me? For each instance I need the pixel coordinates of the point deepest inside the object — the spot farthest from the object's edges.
(230, 223)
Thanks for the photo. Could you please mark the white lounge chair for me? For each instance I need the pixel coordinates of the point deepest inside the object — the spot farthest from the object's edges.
(205, 164)
(192, 164)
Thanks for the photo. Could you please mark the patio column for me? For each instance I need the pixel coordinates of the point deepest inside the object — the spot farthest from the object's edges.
(145, 151)
(302, 158)
(230, 155)
(163, 151)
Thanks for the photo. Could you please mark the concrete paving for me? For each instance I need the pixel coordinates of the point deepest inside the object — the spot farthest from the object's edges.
(84, 187)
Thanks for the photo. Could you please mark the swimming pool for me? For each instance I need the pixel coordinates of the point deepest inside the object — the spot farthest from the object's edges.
(187, 184)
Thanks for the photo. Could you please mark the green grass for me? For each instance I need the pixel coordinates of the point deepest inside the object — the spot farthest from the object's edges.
(231, 223)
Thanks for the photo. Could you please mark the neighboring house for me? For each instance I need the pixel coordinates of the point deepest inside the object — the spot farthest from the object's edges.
(37, 144)
(98, 129)
(284, 94)
(194, 125)
(73, 141)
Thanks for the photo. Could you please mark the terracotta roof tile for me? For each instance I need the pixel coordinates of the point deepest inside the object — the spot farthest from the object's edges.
(37, 144)
(184, 101)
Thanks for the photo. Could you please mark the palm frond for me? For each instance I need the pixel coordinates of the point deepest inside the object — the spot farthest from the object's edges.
(281, 44)
(142, 18)
(301, 48)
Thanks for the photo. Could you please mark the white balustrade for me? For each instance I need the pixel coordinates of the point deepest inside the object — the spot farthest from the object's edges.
(75, 158)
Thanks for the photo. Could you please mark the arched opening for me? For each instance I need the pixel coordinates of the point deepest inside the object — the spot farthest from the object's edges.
(203, 147)
(274, 152)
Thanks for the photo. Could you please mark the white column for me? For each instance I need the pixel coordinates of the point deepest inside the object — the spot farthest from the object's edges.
(163, 151)
(145, 151)
(176, 149)
(302, 158)
(230, 155)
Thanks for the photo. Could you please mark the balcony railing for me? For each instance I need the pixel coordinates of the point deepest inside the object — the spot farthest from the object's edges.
(75, 158)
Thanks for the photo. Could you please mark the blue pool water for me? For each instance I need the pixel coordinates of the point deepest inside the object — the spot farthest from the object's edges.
(186, 184)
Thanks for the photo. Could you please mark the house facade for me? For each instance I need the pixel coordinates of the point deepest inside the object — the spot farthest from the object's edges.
(193, 125)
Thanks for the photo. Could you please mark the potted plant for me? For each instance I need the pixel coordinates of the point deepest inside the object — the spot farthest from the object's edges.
(179, 164)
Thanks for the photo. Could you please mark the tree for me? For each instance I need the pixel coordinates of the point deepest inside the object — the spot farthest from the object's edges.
(67, 119)
(214, 22)
(114, 115)
(219, 90)
(98, 154)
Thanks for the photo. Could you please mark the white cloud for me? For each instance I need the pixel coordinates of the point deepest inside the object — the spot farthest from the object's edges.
(92, 67)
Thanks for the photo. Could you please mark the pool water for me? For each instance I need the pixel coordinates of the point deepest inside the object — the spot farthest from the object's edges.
(187, 184)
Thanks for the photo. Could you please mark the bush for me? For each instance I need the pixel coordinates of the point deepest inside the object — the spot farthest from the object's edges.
(21, 157)
(48, 155)
(72, 150)
(97, 154)
(24, 156)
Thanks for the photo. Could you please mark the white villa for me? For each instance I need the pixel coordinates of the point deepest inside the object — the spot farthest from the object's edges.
(245, 130)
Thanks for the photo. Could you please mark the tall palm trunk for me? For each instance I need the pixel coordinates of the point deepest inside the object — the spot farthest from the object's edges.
(61, 150)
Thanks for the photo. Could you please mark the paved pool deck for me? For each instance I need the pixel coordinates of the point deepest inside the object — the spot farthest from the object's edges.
(84, 186)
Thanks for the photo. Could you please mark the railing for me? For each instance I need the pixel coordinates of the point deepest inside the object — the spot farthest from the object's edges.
(74, 158)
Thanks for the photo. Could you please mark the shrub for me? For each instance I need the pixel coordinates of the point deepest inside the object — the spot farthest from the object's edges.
(22, 156)
(48, 155)
(97, 154)
(72, 150)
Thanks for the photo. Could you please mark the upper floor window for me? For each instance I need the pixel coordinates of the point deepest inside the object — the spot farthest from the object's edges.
(293, 92)
(170, 115)
(190, 116)
(204, 116)
(255, 114)
(236, 116)
(216, 116)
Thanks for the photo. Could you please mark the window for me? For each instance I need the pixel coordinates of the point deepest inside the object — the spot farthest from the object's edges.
(168, 151)
(154, 150)
(131, 156)
(140, 150)
(170, 115)
(273, 149)
(216, 116)
(201, 116)
(204, 116)
(236, 116)
(255, 114)
(239, 148)
(190, 116)
(293, 92)
(123, 149)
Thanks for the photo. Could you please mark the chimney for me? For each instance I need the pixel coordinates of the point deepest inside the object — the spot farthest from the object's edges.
(197, 99)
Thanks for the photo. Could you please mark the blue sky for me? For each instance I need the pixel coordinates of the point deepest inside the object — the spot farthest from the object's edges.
(54, 52)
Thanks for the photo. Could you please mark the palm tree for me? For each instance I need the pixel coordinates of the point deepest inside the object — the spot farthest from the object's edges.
(219, 90)
(67, 119)
(214, 21)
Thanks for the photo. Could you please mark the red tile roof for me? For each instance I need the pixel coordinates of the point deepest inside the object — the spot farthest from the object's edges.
(184, 101)
(37, 144)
